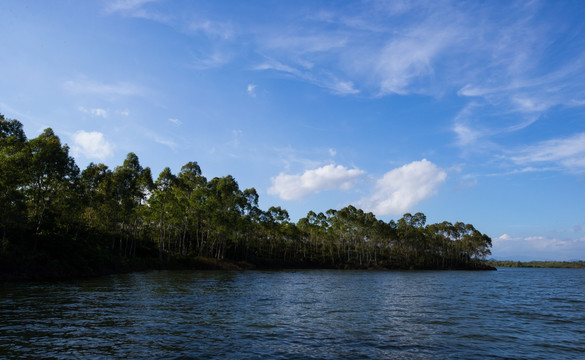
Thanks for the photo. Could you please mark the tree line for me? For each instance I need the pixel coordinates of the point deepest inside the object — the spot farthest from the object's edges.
(47, 205)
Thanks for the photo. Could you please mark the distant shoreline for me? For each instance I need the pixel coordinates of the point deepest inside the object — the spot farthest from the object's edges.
(580, 264)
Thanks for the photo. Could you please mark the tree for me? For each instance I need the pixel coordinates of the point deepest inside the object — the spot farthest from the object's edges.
(132, 185)
(50, 176)
(161, 205)
(97, 187)
(191, 192)
(13, 165)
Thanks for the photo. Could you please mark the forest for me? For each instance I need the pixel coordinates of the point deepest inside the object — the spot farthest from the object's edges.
(57, 220)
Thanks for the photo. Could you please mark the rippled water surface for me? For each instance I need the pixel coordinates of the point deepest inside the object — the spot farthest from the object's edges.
(510, 313)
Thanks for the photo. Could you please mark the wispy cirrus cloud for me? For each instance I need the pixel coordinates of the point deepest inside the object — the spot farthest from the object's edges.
(175, 122)
(99, 88)
(567, 153)
(125, 5)
(382, 49)
(214, 29)
(215, 58)
(136, 9)
(326, 81)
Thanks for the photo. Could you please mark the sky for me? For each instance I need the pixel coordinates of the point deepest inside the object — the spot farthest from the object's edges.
(469, 111)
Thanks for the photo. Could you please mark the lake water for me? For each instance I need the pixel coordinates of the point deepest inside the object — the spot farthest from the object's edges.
(316, 314)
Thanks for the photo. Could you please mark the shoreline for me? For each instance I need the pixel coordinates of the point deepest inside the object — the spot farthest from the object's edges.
(127, 266)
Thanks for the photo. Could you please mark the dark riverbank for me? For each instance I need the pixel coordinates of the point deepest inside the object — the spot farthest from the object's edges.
(56, 260)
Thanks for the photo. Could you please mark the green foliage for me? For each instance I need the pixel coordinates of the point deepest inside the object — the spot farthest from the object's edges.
(54, 217)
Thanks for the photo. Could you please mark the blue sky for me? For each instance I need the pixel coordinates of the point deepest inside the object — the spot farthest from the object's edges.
(466, 111)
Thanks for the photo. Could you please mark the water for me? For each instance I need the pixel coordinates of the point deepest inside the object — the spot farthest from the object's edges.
(317, 314)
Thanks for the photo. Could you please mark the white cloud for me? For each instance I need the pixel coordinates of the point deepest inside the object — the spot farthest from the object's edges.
(212, 28)
(328, 177)
(97, 112)
(137, 9)
(408, 58)
(343, 87)
(125, 5)
(211, 60)
(332, 152)
(175, 122)
(251, 90)
(98, 88)
(237, 134)
(272, 64)
(304, 43)
(505, 237)
(567, 152)
(402, 188)
(167, 142)
(92, 145)
(465, 134)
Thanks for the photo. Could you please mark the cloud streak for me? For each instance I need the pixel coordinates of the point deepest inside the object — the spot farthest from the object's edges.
(96, 112)
(98, 88)
(568, 152)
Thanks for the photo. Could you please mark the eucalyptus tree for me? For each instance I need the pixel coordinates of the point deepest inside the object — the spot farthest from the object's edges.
(98, 198)
(411, 239)
(13, 165)
(50, 177)
(224, 207)
(190, 192)
(249, 224)
(132, 186)
(311, 226)
(277, 223)
(162, 204)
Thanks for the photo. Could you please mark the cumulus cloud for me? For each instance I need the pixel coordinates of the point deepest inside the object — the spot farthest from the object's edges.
(92, 145)
(402, 188)
(328, 177)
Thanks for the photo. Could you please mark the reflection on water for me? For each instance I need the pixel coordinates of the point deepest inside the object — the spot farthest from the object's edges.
(321, 314)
